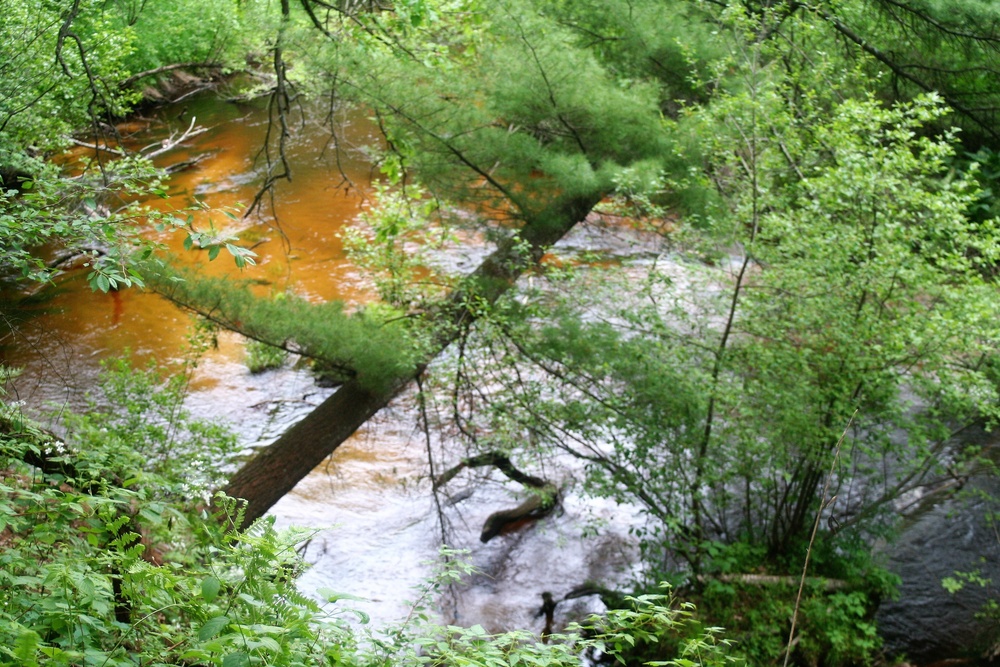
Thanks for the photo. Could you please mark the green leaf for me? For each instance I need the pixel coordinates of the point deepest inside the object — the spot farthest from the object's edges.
(269, 629)
(195, 654)
(210, 589)
(212, 627)
(238, 659)
(25, 647)
(952, 585)
(213, 252)
(85, 586)
(269, 644)
(331, 595)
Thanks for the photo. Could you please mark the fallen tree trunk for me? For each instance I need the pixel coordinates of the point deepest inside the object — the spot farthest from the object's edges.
(273, 472)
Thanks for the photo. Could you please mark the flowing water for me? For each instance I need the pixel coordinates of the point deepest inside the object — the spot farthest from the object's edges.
(378, 526)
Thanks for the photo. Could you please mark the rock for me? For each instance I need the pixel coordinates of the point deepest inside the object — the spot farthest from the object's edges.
(927, 623)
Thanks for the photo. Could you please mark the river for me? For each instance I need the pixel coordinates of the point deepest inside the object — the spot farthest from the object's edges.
(378, 530)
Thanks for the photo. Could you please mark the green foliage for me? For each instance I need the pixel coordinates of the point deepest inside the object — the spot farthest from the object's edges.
(851, 275)
(943, 45)
(262, 357)
(104, 563)
(647, 629)
(393, 240)
(504, 109)
(836, 620)
(259, 356)
(45, 92)
(108, 561)
(52, 86)
(857, 263)
(64, 70)
(984, 167)
(373, 344)
(189, 31)
(835, 627)
(50, 209)
(145, 412)
(212, 240)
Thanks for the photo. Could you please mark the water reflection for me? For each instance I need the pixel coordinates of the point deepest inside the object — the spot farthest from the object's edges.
(60, 348)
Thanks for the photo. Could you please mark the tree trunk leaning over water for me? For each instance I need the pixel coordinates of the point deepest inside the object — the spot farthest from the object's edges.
(274, 471)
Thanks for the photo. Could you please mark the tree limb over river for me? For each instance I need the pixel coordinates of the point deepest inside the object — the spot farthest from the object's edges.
(275, 470)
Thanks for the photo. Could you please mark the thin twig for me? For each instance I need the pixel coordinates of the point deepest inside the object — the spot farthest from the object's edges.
(425, 425)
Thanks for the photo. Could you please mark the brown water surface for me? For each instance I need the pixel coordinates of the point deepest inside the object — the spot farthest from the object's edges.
(59, 348)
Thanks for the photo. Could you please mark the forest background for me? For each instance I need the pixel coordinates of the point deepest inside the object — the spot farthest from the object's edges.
(824, 170)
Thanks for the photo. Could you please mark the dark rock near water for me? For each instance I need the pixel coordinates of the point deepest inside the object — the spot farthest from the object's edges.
(928, 623)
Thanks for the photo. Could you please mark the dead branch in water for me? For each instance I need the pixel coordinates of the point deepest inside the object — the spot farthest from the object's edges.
(540, 504)
(98, 147)
(173, 140)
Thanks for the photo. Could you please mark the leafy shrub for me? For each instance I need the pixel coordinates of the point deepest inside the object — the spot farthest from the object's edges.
(107, 559)
(262, 357)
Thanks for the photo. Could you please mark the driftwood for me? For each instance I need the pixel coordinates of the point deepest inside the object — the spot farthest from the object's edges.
(166, 68)
(77, 252)
(185, 164)
(540, 504)
(153, 150)
(173, 140)
(98, 147)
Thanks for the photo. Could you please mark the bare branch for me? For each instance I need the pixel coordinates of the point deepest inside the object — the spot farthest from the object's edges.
(166, 68)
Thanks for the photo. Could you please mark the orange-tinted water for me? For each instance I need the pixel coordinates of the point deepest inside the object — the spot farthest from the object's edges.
(299, 251)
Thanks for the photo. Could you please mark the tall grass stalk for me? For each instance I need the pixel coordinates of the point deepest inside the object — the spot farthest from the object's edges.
(812, 538)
